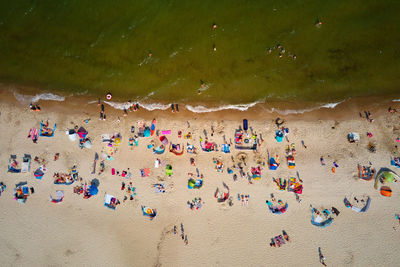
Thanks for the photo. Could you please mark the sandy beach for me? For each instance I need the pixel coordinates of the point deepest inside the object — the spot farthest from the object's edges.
(83, 232)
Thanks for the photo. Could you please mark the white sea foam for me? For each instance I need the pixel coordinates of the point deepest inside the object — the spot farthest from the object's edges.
(173, 54)
(150, 107)
(203, 109)
(301, 111)
(332, 105)
(396, 100)
(26, 99)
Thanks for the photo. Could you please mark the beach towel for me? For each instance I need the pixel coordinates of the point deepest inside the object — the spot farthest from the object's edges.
(225, 148)
(33, 134)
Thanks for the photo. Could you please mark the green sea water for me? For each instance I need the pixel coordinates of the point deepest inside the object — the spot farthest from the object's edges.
(102, 46)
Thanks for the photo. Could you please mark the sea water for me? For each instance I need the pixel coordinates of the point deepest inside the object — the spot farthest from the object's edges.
(168, 51)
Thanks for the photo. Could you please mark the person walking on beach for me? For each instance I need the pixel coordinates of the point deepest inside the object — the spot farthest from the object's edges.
(321, 257)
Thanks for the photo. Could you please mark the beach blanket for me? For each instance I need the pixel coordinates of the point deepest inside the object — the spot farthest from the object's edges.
(195, 183)
(145, 172)
(110, 201)
(367, 203)
(46, 131)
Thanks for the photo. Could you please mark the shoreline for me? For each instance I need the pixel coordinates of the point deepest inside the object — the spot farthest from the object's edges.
(256, 110)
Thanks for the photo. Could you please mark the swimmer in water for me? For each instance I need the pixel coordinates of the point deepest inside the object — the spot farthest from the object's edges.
(214, 48)
(318, 23)
(214, 26)
(150, 54)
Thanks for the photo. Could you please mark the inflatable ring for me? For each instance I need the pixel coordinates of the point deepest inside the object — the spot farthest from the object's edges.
(109, 96)
(149, 211)
(117, 141)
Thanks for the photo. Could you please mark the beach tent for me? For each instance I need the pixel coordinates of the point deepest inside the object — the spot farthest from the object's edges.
(71, 134)
(357, 209)
(277, 209)
(82, 133)
(58, 197)
(147, 211)
(176, 149)
(195, 184)
(320, 221)
(385, 175)
(353, 137)
(110, 201)
(45, 131)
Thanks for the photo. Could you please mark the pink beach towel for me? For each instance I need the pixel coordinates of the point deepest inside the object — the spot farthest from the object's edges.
(166, 132)
(113, 171)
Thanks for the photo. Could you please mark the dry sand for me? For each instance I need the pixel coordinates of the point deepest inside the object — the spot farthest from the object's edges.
(82, 232)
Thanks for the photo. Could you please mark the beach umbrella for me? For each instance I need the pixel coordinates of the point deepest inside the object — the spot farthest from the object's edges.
(87, 144)
(95, 182)
(93, 190)
(241, 157)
